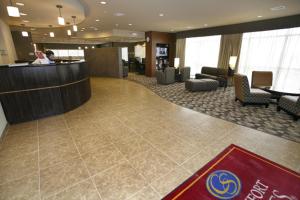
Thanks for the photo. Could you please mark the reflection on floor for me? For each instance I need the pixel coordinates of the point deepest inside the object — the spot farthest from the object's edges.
(221, 104)
(125, 143)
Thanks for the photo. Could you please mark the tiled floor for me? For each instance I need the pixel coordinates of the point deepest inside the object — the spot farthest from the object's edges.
(124, 143)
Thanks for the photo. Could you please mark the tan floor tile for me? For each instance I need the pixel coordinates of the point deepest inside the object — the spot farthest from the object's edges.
(152, 164)
(16, 150)
(24, 188)
(133, 146)
(146, 193)
(80, 132)
(53, 138)
(17, 128)
(58, 177)
(178, 150)
(120, 182)
(57, 153)
(91, 142)
(169, 182)
(11, 169)
(51, 126)
(82, 191)
(102, 159)
(78, 121)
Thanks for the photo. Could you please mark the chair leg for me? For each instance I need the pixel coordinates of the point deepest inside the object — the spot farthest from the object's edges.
(278, 108)
(267, 105)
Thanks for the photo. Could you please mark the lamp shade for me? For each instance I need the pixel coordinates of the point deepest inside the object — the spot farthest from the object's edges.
(176, 62)
(24, 33)
(61, 20)
(232, 61)
(75, 29)
(13, 11)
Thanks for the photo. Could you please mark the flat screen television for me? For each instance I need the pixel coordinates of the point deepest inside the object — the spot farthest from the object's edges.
(161, 51)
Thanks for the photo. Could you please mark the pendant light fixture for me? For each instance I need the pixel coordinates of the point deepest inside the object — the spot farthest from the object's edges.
(69, 32)
(60, 19)
(24, 33)
(12, 10)
(75, 28)
(51, 34)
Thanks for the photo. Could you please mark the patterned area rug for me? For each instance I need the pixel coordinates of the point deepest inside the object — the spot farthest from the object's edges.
(221, 104)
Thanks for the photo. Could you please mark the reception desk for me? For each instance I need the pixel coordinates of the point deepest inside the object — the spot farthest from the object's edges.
(31, 92)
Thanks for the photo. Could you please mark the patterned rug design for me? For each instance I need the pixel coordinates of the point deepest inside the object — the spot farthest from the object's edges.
(221, 104)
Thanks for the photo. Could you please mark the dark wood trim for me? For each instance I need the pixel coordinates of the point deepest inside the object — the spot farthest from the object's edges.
(262, 25)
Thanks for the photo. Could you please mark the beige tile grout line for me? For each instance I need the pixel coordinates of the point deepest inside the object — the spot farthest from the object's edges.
(90, 177)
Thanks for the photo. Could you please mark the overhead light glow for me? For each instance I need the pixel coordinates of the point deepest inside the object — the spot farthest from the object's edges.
(86, 47)
(129, 24)
(13, 11)
(205, 25)
(20, 4)
(79, 47)
(97, 20)
(26, 21)
(69, 32)
(118, 14)
(103, 2)
(61, 20)
(51, 34)
(24, 33)
(93, 47)
(259, 16)
(75, 29)
(161, 14)
(24, 14)
(278, 8)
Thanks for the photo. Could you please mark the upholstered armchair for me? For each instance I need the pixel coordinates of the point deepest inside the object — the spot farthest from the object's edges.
(185, 73)
(290, 104)
(261, 79)
(245, 95)
(165, 77)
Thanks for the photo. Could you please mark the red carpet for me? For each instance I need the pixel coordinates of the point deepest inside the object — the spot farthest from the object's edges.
(239, 174)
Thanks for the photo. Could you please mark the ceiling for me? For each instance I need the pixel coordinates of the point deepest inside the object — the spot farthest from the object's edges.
(113, 18)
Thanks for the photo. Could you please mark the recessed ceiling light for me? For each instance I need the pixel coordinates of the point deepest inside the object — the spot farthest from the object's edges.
(81, 30)
(259, 16)
(26, 21)
(129, 24)
(33, 29)
(119, 14)
(161, 14)
(134, 34)
(20, 4)
(97, 20)
(23, 14)
(103, 2)
(117, 24)
(276, 8)
(205, 25)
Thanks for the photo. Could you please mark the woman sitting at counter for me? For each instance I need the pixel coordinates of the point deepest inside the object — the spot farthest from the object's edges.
(44, 59)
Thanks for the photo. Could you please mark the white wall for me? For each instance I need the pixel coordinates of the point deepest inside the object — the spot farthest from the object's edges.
(7, 47)
(3, 121)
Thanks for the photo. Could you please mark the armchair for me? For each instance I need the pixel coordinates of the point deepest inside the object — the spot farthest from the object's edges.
(290, 104)
(185, 73)
(245, 95)
(165, 77)
(261, 79)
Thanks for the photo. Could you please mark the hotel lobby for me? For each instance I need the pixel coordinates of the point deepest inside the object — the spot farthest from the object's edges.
(149, 100)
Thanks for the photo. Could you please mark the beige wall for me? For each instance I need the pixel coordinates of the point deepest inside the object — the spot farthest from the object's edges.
(7, 55)
(7, 47)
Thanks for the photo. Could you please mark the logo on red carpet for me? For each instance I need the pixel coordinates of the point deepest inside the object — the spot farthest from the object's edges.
(223, 184)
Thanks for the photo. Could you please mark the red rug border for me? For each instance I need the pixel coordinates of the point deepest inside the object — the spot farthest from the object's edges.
(211, 164)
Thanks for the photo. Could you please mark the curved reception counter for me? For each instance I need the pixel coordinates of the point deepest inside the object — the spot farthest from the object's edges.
(31, 92)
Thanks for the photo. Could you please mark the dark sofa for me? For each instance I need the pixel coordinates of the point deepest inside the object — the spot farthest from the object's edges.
(217, 74)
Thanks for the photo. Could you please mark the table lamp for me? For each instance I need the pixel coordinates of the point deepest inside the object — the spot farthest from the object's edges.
(232, 63)
(176, 62)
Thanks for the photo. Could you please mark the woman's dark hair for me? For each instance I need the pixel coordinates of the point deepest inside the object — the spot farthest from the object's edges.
(49, 53)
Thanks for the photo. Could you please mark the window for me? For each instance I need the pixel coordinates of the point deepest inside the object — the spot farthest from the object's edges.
(125, 53)
(67, 53)
(276, 51)
(202, 51)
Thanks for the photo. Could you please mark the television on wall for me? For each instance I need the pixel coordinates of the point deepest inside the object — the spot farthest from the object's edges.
(162, 50)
